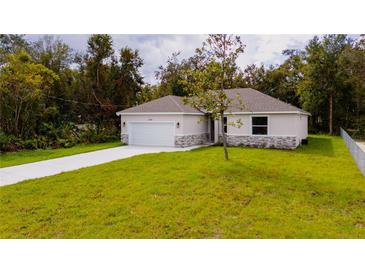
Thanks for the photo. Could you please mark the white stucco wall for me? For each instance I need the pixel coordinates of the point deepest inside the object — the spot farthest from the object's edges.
(188, 123)
(279, 125)
(303, 126)
(283, 124)
(193, 124)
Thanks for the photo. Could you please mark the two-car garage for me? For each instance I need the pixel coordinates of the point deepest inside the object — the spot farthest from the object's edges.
(151, 133)
(166, 121)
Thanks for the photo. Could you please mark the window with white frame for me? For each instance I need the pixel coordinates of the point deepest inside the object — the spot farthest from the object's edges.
(259, 125)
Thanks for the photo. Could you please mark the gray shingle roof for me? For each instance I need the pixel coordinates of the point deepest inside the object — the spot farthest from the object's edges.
(254, 101)
(168, 103)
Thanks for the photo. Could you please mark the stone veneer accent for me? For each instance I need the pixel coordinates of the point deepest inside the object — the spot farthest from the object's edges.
(124, 138)
(191, 140)
(281, 142)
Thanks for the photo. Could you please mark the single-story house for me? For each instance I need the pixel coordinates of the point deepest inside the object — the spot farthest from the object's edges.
(167, 121)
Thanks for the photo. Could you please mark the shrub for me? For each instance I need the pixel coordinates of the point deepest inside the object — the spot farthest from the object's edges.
(29, 144)
(91, 135)
(65, 143)
(9, 142)
(67, 135)
(43, 142)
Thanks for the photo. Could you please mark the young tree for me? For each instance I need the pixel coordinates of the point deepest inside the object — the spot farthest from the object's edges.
(207, 93)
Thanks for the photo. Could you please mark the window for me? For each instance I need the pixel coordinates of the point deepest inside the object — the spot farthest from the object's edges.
(259, 125)
(225, 124)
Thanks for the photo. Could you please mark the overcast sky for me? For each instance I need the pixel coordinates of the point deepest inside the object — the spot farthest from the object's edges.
(155, 49)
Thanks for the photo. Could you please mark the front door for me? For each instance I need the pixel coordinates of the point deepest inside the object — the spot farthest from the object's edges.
(212, 130)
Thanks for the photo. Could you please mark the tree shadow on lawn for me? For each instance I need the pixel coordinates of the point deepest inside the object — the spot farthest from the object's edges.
(318, 146)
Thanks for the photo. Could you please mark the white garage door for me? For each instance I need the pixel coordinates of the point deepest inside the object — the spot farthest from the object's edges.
(151, 133)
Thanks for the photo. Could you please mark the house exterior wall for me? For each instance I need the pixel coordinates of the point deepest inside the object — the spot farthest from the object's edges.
(284, 130)
(191, 130)
(303, 126)
(194, 124)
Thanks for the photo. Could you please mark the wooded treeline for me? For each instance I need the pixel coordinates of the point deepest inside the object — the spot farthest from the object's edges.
(53, 96)
(326, 78)
(48, 90)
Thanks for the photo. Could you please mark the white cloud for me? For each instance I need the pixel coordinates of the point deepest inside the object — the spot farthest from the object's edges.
(267, 49)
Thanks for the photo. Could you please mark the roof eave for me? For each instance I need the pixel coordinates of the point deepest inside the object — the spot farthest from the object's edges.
(269, 112)
(119, 113)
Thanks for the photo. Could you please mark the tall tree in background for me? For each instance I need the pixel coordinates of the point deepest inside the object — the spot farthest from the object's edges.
(170, 76)
(52, 53)
(278, 81)
(291, 75)
(224, 49)
(99, 51)
(322, 85)
(22, 84)
(58, 57)
(352, 63)
(11, 43)
(148, 93)
(254, 76)
(127, 78)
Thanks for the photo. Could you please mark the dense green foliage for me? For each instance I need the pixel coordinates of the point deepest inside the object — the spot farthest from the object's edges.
(29, 156)
(51, 96)
(47, 85)
(315, 191)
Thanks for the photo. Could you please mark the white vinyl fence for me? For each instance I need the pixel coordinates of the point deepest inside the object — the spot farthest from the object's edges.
(357, 153)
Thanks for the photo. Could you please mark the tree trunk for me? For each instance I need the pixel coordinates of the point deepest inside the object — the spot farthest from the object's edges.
(224, 138)
(222, 113)
(17, 117)
(330, 118)
(97, 77)
(358, 117)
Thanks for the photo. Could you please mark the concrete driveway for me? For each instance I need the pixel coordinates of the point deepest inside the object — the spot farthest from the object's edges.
(361, 145)
(15, 174)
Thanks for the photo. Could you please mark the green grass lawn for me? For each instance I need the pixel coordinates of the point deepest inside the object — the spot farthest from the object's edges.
(29, 156)
(315, 191)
